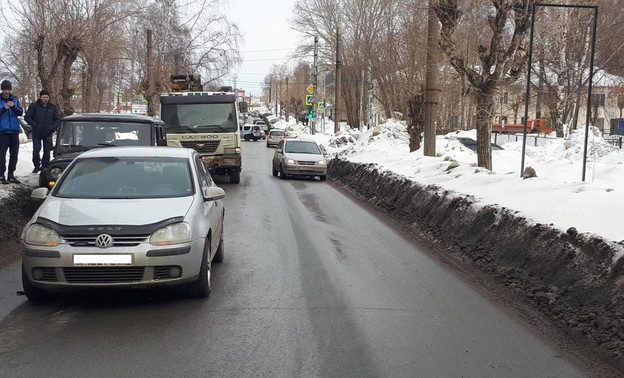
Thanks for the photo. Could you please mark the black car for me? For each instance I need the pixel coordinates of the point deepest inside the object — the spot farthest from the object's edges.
(472, 144)
(82, 132)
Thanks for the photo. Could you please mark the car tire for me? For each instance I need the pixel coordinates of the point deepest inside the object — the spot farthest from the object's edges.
(43, 182)
(255, 139)
(234, 176)
(32, 292)
(281, 173)
(200, 288)
(220, 254)
(247, 137)
(323, 177)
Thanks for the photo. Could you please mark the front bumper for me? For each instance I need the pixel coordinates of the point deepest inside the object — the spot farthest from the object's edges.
(146, 265)
(306, 170)
(222, 161)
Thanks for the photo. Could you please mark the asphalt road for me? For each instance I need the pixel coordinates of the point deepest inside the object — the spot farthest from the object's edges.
(313, 285)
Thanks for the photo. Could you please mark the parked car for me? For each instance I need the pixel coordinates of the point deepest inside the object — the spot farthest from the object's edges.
(81, 132)
(26, 127)
(263, 126)
(252, 132)
(125, 217)
(297, 157)
(472, 144)
(275, 136)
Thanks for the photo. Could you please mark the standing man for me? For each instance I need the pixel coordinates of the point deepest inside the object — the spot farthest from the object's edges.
(9, 131)
(44, 117)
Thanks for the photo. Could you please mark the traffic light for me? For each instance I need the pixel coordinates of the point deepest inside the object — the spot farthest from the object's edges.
(311, 112)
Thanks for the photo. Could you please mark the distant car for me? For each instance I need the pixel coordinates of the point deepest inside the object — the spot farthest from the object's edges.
(252, 132)
(275, 136)
(263, 126)
(125, 217)
(472, 144)
(297, 157)
(27, 128)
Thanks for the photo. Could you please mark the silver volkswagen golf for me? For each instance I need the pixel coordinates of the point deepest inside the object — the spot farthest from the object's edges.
(125, 217)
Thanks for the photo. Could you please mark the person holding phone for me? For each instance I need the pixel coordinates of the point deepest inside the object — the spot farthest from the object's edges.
(10, 109)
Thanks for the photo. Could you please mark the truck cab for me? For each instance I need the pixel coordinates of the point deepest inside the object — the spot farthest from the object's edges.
(82, 132)
(207, 122)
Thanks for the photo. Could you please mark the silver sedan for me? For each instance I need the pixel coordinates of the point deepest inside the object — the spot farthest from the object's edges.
(297, 157)
(125, 217)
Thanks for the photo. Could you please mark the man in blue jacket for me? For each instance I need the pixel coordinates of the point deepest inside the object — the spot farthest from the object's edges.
(9, 131)
(43, 115)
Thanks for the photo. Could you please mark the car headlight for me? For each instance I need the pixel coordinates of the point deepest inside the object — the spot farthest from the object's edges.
(41, 235)
(55, 172)
(290, 161)
(172, 234)
(321, 162)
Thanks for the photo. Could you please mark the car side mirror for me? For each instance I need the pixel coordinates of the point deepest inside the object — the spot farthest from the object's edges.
(39, 194)
(213, 193)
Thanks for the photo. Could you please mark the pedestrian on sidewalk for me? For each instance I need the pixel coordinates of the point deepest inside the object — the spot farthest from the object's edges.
(9, 131)
(44, 117)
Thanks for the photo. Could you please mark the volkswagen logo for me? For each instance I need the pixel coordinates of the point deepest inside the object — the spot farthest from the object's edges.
(103, 241)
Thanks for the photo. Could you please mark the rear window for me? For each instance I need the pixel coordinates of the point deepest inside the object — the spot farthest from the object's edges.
(277, 133)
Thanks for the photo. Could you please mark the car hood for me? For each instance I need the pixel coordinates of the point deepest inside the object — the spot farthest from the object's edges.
(304, 157)
(76, 212)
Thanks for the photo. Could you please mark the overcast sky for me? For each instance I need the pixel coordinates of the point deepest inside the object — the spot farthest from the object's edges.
(268, 39)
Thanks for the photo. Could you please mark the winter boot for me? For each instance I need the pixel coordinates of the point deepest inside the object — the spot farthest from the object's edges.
(13, 180)
(3, 181)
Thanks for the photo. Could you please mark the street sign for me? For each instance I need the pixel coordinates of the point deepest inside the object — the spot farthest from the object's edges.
(310, 89)
(321, 105)
(310, 100)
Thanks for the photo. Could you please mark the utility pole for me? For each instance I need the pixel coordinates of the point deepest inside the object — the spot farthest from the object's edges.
(432, 93)
(151, 100)
(286, 102)
(338, 80)
(314, 85)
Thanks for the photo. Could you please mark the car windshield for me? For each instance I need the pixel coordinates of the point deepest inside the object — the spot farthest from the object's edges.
(199, 118)
(126, 177)
(104, 133)
(301, 147)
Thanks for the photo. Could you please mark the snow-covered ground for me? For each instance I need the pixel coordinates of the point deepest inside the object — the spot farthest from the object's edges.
(557, 196)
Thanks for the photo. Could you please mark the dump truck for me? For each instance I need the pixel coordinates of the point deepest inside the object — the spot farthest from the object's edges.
(204, 121)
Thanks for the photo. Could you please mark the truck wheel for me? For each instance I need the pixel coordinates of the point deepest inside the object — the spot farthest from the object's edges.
(234, 176)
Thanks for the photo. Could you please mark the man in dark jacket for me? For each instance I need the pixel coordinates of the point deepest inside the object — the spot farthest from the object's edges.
(9, 131)
(44, 117)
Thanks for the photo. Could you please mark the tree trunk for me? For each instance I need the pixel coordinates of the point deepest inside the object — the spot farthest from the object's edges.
(485, 111)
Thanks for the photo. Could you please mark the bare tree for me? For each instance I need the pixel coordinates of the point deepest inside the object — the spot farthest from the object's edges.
(500, 63)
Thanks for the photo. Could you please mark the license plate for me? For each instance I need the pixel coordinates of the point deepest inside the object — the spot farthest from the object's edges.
(103, 259)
